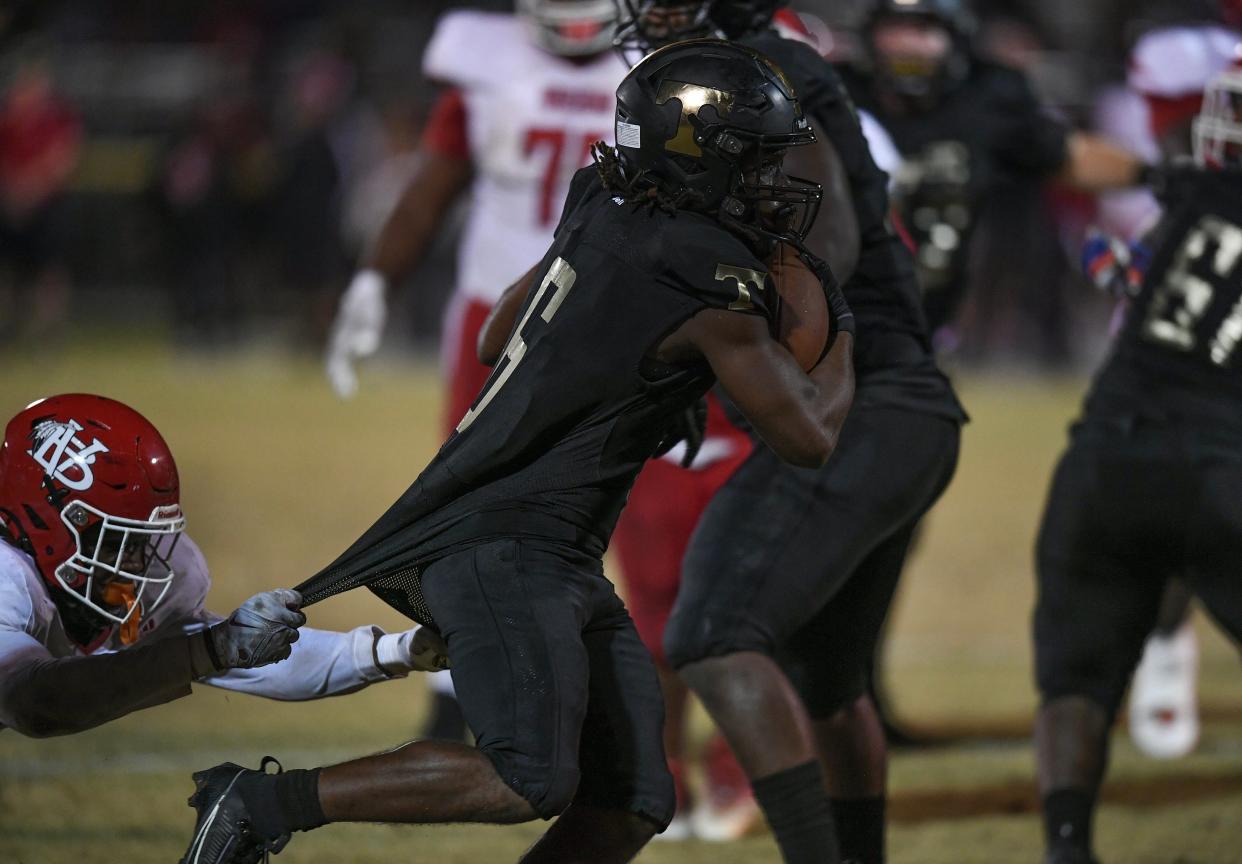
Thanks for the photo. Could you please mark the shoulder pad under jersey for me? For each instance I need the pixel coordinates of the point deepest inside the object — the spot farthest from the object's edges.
(703, 259)
(464, 37)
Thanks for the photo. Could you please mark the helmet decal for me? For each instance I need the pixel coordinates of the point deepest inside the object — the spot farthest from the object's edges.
(692, 97)
(64, 456)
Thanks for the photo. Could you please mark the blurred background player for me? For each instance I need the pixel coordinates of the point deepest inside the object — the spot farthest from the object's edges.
(513, 131)
(1177, 50)
(967, 128)
(1148, 487)
(102, 595)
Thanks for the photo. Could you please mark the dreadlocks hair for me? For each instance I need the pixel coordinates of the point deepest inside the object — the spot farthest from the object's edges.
(640, 190)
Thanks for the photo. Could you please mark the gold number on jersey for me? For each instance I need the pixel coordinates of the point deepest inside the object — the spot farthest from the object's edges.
(1184, 297)
(563, 277)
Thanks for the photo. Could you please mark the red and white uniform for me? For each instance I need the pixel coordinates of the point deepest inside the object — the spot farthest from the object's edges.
(1169, 70)
(323, 663)
(526, 120)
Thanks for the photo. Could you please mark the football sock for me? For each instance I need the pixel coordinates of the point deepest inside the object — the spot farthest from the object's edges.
(1067, 818)
(860, 828)
(282, 803)
(797, 809)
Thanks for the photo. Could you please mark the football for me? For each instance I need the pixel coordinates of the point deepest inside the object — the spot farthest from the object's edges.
(802, 326)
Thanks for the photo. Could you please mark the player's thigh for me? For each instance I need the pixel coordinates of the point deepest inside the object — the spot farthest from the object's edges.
(512, 620)
(621, 754)
(778, 542)
(1216, 571)
(829, 660)
(1096, 602)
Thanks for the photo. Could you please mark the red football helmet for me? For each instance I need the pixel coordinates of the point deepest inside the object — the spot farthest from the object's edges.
(89, 489)
(570, 28)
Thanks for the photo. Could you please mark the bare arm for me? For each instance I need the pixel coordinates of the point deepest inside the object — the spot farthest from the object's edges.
(413, 224)
(496, 330)
(1096, 164)
(834, 236)
(798, 415)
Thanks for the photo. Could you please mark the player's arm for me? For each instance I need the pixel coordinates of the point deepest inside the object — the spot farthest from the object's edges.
(42, 695)
(329, 663)
(834, 236)
(494, 334)
(798, 415)
(443, 172)
(1095, 164)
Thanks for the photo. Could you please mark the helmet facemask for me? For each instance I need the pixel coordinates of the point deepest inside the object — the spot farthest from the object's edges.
(122, 568)
(763, 202)
(1218, 128)
(571, 28)
(645, 25)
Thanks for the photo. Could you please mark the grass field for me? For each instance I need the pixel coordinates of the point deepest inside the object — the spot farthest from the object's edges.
(278, 477)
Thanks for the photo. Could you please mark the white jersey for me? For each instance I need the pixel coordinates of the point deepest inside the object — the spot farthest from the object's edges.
(1168, 71)
(322, 662)
(531, 118)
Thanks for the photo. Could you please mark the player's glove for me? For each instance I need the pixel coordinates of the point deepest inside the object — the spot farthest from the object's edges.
(842, 314)
(1113, 265)
(356, 331)
(689, 426)
(260, 631)
(417, 650)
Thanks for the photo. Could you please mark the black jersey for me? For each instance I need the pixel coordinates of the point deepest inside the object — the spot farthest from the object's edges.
(988, 129)
(893, 359)
(1179, 355)
(575, 406)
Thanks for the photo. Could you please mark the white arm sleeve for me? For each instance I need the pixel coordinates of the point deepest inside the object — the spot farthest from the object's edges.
(323, 663)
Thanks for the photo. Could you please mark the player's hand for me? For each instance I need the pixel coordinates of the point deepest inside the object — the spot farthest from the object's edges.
(356, 331)
(417, 650)
(689, 426)
(842, 314)
(1113, 265)
(261, 631)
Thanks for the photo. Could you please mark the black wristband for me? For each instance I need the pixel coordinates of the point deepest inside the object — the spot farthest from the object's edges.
(211, 648)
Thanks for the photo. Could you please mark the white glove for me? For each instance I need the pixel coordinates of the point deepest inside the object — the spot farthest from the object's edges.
(357, 329)
(260, 631)
(417, 650)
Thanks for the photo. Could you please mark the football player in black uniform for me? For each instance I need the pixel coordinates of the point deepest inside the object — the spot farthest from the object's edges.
(791, 570)
(1148, 488)
(963, 125)
(654, 287)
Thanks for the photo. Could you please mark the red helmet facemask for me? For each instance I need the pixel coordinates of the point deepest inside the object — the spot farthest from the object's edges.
(89, 489)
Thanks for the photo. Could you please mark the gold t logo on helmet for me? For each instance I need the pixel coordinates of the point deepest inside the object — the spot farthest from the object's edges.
(692, 97)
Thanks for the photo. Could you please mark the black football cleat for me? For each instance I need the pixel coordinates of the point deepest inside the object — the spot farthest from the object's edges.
(222, 834)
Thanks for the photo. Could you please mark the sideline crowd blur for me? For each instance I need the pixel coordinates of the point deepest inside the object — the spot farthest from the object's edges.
(218, 167)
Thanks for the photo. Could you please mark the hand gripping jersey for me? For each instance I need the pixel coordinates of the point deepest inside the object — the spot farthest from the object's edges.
(1178, 356)
(575, 406)
(530, 119)
(892, 354)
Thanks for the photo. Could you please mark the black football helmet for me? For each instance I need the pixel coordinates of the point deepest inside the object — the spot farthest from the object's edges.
(706, 123)
(644, 25)
(912, 78)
